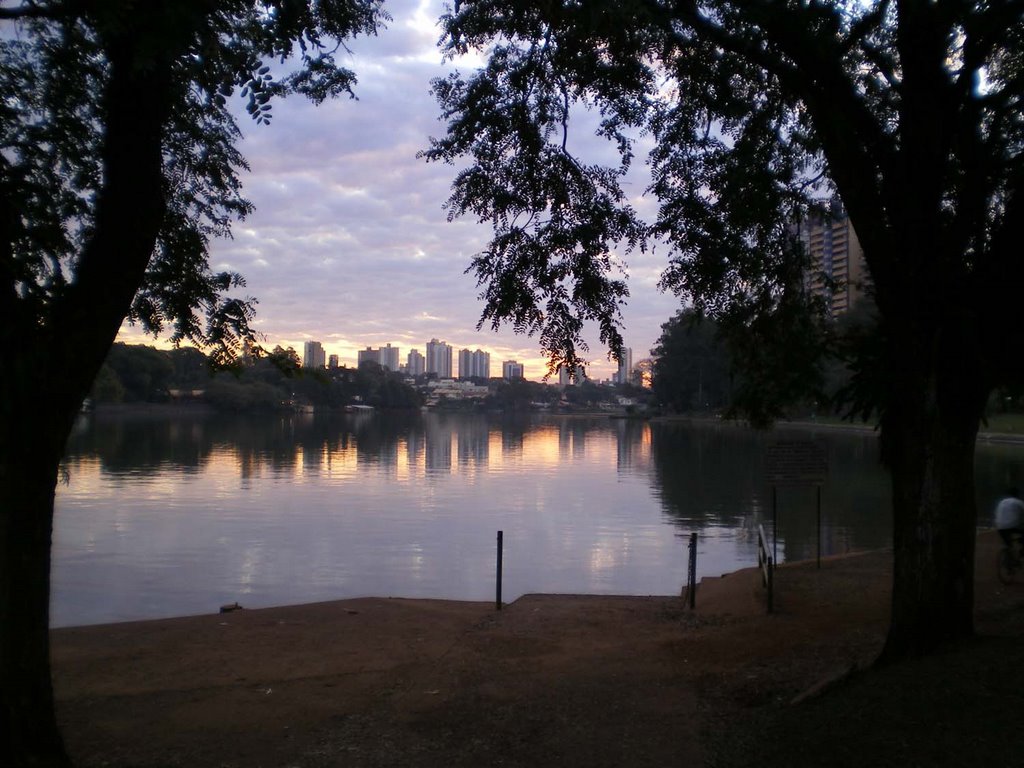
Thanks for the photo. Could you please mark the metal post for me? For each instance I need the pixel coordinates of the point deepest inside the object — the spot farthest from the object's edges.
(819, 527)
(775, 527)
(692, 575)
(497, 591)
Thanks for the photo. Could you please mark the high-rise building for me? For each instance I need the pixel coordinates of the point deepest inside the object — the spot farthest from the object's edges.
(389, 357)
(510, 369)
(838, 271)
(625, 372)
(386, 357)
(332, 362)
(474, 364)
(368, 355)
(439, 359)
(415, 364)
(313, 355)
(483, 363)
(565, 379)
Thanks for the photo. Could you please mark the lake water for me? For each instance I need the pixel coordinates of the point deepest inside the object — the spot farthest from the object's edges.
(166, 515)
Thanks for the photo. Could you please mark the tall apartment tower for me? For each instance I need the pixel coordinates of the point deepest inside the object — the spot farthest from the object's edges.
(386, 357)
(622, 376)
(474, 364)
(368, 355)
(836, 256)
(389, 357)
(415, 363)
(313, 355)
(439, 359)
(510, 369)
(332, 362)
(565, 378)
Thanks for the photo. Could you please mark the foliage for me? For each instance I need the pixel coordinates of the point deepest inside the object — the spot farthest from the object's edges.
(755, 113)
(118, 165)
(108, 387)
(380, 387)
(227, 393)
(586, 393)
(519, 395)
(137, 373)
(144, 373)
(691, 367)
(908, 111)
(56, 70)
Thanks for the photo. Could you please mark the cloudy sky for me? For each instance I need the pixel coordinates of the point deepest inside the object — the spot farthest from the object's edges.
(349, 244)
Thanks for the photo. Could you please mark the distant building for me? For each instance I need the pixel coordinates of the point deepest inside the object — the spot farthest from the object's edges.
(368, 355)
(454, 390)
(439, 359)
(625, 372)
(415, 364)
(510, 369)
(313, 355)
(386, 357)
(565, 378)
(332, 362)
(474, 364)
(389, 357)
(838, 272)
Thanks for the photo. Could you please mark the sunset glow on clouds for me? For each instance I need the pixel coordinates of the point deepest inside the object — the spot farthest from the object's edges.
(349, 244)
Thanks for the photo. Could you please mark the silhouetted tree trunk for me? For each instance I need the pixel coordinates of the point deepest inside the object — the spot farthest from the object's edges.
(32, 446)
(929, 446)
(49, 368)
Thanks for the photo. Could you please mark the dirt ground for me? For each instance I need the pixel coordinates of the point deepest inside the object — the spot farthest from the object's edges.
(549, 680)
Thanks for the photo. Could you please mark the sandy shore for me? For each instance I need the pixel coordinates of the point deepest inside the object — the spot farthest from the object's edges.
(550, 680)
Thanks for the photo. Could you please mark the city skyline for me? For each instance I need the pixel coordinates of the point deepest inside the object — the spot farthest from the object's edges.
(471, 363)
(399, 360)
(349, 243)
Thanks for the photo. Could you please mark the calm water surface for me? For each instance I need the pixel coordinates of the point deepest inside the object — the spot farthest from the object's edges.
(172, 515)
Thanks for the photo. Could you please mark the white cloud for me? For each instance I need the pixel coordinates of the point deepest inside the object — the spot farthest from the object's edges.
(349, 243)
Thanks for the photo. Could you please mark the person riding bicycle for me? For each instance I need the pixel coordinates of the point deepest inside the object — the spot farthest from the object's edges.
(1010, 516)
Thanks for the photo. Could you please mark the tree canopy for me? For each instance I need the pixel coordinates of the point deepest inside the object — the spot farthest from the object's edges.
(118, 166)
(691, 366)
(753, 113)
(66, 74)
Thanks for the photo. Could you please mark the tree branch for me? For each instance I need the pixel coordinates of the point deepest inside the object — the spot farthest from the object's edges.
(809, 66)
(33, 10)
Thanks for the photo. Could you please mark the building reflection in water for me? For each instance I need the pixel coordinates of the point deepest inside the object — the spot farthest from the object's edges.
(162, 516)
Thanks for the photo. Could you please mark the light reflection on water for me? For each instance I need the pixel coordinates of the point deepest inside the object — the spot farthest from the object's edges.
(167, 516)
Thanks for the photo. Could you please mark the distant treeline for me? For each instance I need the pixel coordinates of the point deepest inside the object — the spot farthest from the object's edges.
(695, 371)
(144, 374)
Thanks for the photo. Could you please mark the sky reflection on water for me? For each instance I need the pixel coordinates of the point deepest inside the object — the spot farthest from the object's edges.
(171, 516)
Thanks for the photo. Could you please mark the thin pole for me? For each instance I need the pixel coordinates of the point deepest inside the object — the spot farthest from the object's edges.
(819, 527)
(775, 527)
(497, 591)
(692, 575)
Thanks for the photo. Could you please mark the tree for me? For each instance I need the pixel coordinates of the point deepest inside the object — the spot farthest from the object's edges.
(117, 167)
(191, 368)
(908, 110)
(691, 367)
(145, 372)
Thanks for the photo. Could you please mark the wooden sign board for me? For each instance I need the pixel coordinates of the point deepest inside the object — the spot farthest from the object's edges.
(797, 462)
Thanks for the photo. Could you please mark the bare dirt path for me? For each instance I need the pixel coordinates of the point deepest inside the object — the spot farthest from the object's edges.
(551, 680)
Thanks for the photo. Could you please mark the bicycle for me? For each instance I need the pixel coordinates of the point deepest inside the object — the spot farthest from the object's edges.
(1010, 564)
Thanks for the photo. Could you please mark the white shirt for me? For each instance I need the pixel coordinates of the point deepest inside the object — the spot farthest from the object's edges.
(1009, 513)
